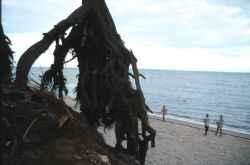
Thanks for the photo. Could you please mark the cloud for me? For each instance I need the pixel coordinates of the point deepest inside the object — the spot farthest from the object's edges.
(35, 16)
(189, 59)
(183, 34)
(183, 23)
(22, 41)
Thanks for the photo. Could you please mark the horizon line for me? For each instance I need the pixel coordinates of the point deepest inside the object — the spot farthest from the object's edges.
(183, 70)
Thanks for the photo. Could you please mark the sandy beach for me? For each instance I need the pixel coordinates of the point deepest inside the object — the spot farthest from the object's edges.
(181, 144)
(185, 144)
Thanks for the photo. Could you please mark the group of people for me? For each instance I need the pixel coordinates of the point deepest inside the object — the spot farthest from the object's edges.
(219, 124)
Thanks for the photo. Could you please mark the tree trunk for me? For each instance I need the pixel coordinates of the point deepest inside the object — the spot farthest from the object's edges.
(6, 58)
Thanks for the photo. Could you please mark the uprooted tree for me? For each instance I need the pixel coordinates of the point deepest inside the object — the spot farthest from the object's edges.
(104, 90)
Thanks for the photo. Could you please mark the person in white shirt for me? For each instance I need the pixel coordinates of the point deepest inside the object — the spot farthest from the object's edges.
(206, 121)
(219, 125)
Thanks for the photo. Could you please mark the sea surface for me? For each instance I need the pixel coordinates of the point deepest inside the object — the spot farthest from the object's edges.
(189, 95)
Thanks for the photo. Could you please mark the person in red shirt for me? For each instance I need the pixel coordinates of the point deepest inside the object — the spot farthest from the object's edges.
(164, 112)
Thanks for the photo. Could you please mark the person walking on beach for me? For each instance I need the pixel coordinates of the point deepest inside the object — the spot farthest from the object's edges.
(164, 112)
(219, 125)
(206, 121)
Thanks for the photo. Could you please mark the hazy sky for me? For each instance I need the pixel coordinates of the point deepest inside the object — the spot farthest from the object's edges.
(208, 35)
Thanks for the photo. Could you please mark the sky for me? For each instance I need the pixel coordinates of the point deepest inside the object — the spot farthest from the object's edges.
(199, 35)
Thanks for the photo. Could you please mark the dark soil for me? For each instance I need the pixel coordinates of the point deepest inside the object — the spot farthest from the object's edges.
(50, 139)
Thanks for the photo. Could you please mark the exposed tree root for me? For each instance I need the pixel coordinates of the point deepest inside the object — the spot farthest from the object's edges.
(104, 90)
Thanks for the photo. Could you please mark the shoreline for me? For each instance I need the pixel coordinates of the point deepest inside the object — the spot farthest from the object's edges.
(70, 101)
(200, 126)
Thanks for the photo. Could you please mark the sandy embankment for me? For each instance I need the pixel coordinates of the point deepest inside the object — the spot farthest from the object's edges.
(178, 143)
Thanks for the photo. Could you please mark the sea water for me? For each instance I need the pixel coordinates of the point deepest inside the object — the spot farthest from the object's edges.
(190, 95)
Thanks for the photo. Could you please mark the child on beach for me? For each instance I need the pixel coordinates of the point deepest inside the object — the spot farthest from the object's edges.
(206, 121)
(164, 112)
(219, 125)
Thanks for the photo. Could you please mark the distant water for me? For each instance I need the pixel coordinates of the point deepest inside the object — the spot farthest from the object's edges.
(190, 95)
